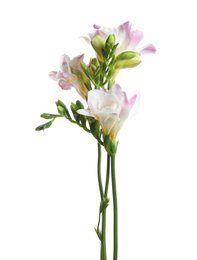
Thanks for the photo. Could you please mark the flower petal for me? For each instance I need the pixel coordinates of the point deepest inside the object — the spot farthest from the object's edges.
(136, 37)
(75, 62)
(123, 37)
(85, 112)
(55, 75)
(64, 84)
(108, 122)
(64, 63)
(96, 26)
(148, 49)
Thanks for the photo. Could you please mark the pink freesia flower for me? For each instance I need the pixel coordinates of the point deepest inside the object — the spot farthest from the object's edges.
(110, 107)
(66, 78)
(127, 38)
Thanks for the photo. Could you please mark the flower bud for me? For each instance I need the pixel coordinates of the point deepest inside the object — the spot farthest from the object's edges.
(98, 43)
(127, 55)
(110, 42)
(62, 109)
(123, 64)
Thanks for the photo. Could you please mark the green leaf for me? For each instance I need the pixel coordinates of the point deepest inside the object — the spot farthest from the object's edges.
(98, 233)
(104, 203)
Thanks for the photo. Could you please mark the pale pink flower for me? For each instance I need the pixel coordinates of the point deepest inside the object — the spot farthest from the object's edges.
(127, 38)
(110, 107)
(66, 78)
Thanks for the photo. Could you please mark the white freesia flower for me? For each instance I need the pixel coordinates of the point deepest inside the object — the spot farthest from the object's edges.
(110, 107)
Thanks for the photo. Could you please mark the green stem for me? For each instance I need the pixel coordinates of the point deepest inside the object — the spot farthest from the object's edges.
(115, 205)
(104, 211)
(99, 171)
(100, 189)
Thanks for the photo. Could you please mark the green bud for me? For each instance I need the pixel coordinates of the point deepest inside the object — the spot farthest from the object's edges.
(95, 129)
(74, 109)
(98, 43)
(94, 62)
(110, 146)
(113, 61)
(123, 64)
(110, 74)
(114, 49)
(62, 109)
(127, 55)
(93, 67)
(80, 74)
(79, 104)
(44, 126)
(111, 40)
(86, 70)
(48, 116)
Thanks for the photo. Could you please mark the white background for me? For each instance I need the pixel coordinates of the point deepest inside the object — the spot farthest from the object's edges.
(49, 194)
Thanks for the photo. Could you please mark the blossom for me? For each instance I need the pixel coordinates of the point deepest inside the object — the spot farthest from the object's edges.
(127, 38)
(110, 107)
(66, 77)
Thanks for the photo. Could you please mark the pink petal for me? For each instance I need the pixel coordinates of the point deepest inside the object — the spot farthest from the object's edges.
(55, 75)
(64, 63)
(96, 26)
(136, 37)
(123, 37)
(64, 84)
(148, 49)
(133, 99)
(75, 62)
(134, 103)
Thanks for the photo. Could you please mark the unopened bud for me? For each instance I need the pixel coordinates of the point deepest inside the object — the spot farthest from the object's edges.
(110, 41)
(61, 110)
(127, 55)
(98, 43)
(123, 64)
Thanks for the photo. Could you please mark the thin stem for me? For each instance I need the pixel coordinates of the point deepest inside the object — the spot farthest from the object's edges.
(104, 211)
(100, 189)
(99, 171)
(108, 173)
(115, 205)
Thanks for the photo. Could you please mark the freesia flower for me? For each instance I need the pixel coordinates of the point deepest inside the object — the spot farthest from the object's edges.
(66, 78)
(110, 107)
(127, 38)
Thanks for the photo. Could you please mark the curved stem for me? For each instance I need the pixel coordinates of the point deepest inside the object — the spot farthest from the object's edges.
(115, 205)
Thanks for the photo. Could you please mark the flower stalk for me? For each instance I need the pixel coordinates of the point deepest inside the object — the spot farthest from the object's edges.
(115, 207)
(107, 104)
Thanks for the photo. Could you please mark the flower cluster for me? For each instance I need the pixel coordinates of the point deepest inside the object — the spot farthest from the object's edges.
(108, 105)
